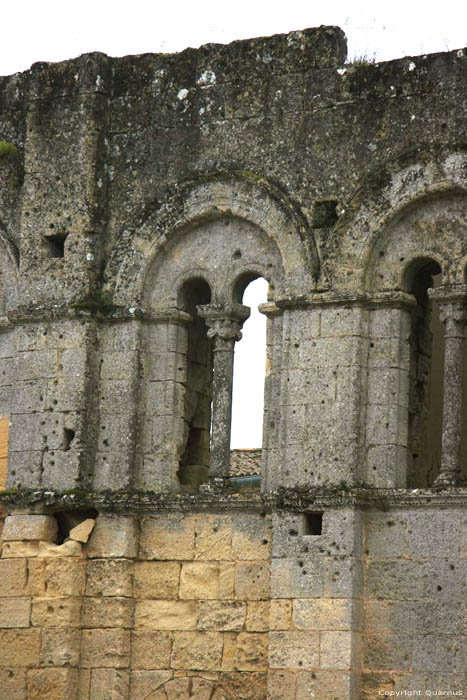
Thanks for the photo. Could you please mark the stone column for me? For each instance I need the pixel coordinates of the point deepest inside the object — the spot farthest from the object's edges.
(452, 304)
(224, 323)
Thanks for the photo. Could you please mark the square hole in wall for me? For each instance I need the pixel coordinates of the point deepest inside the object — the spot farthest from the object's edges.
(313, 523)
(56, 245)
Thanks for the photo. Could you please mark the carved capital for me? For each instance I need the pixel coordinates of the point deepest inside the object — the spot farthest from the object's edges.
(224, 321)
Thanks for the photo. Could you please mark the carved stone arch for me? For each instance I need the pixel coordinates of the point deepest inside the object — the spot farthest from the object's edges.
(238, 195)
(401, 213)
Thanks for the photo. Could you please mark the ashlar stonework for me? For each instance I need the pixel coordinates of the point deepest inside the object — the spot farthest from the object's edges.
(139, 197)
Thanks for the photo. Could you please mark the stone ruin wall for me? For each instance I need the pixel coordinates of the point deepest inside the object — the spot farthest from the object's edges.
(138, 197)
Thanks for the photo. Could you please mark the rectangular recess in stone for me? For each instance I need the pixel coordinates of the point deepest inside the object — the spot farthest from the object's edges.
(56, 245)
(313, 523)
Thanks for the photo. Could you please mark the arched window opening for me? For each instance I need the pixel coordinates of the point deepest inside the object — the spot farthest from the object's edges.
(248, 382)
(425, 400)
(194, 462)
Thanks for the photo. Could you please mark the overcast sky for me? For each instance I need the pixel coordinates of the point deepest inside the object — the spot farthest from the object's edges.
(51, 30)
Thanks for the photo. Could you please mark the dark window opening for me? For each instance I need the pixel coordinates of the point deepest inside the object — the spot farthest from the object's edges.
(68, 437)
(56, 245)
(194, 462)
(313, 523)
(425, 402)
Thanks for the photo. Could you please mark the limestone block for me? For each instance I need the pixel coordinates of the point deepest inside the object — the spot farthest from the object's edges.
(384, 535)
(109, 684)
(65, 576)
(106, 648)
(166, 614)
(390, 651)
(257, 618)
(170, 538)
(336, 650)
(322, 614)
(252, 652)
(109, 577)
(56, 612)
(81, 532)
(52, 683)
(30, 527)
(60, 647)
(113, 536)
(323, 685)
(13, 683)
(20, 647)
(282, 685)
(14, 612)
(221, 615)
(427, 532)
(401, 580)
(156, 579)
(67, 549)
(199, 581)
(20, 550)
(84, 683)
(214, 537)
(297, 578)
(36, 576)
(298, 650)
(226, 580)
(145, 683)
(342, 577)
(280, 614)
(150, 650)
(234, 685)
(13, 577)
(251, 537)
(107, 612)
(252, 581)
(197, 651)
(229, 651)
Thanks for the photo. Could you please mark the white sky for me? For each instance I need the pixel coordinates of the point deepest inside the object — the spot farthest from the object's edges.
(52, 30)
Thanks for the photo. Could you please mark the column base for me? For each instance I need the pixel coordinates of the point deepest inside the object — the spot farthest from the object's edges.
(450, 479)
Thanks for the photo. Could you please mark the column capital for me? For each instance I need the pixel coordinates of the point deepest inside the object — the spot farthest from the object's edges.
(452, 302)
(224, 320)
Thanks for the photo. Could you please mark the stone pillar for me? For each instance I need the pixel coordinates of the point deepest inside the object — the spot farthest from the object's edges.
(224, 323)
(452, 304)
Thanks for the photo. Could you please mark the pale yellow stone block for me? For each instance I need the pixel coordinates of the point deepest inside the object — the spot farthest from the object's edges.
(107, 612)
(13, 577)
(52, 684)
(282, 684)
(30, 527)
(56, 612)
(322, 685)
(221, 615)
(170, 538)
(294, 650)
(197, 651)
(20, 647)
(322, 614)
(252, 652)
(214, 537)
(109, 577)
(82, 532)
(20, 550)
(14, 612)
(226, 581)
(67, 549)
(167, 614)
(107, 648)
(60, 647)
(151, 650)
(109, 684)
(145, 683)
(199, 581)
(252, 581)
(336, 650)
(156, 579)
(113, 536)
(65, 576)
(257, 618)
(84, 684)
(280, 614)
(229, 651)
(251, 538)
(13, 683)
(36, 576)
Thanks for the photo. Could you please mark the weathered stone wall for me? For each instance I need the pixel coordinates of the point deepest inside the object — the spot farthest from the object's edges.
(138, 198)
